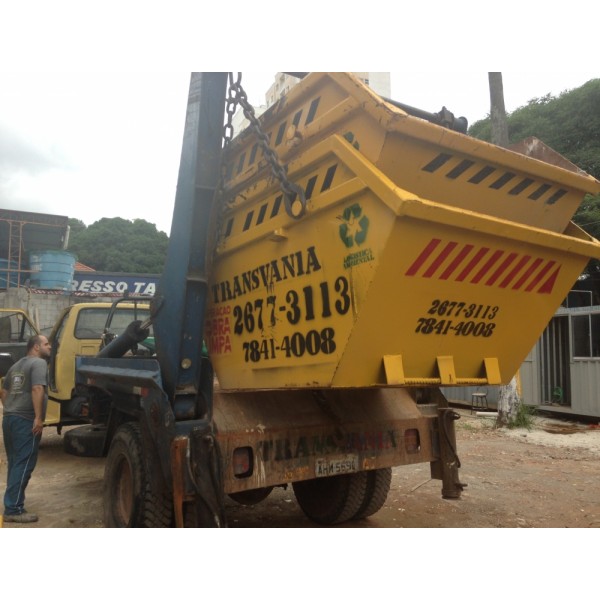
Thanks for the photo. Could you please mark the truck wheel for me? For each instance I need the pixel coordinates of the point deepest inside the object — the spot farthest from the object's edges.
(131, 496)
(331, 500)
(378, 486)
(87, 440)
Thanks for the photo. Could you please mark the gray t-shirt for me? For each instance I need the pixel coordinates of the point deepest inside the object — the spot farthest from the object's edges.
(25, 373)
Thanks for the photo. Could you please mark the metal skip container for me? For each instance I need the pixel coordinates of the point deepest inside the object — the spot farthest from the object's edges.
(421, 257)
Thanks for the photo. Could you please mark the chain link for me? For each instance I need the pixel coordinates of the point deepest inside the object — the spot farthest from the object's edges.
(231, 107)
(294, 198)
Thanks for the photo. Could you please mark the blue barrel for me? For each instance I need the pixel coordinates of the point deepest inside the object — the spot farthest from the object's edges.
(8, 279)
(51, 269)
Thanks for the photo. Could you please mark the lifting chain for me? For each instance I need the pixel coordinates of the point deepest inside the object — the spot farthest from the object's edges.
(293, 194)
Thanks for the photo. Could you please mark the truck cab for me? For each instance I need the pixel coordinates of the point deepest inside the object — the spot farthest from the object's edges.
(16, 327)
(80, 331)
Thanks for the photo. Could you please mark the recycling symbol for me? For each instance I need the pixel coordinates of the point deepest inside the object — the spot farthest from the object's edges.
(354, 228)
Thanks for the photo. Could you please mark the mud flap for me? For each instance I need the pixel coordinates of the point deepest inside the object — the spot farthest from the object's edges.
(446, 468)
(205, 460)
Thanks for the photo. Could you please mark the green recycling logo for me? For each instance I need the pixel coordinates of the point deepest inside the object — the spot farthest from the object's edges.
(355, 225)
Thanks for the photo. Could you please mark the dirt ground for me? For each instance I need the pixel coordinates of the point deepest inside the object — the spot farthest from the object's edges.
(515, 478)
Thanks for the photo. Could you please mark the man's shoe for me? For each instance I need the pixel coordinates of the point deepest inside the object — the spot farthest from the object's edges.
(24, 517)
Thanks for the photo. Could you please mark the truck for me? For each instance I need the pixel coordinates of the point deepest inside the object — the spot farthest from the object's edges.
(16, 327)
(342, 259)
(83, 329)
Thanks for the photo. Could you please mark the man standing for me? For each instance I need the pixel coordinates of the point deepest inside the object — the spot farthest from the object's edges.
(24, 397)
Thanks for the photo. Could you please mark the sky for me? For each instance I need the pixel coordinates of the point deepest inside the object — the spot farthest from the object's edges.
(93, 95)
(89, 145)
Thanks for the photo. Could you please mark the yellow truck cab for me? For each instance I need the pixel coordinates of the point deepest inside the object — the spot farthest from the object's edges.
(16, 327)
(79, 331)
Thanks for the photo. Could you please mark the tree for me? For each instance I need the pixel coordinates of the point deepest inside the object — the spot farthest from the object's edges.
(497, 110)
(588, 218)
(119, 245)
(569, 124)
(509, 398)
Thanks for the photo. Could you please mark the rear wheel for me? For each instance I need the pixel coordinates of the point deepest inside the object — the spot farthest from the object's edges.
(332, 500)
(378, 487)
(133, 494)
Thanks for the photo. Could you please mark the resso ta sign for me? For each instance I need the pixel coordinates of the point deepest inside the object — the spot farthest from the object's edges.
(96, 283)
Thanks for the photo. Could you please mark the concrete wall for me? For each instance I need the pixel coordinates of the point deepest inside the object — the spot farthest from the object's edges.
(43, 307)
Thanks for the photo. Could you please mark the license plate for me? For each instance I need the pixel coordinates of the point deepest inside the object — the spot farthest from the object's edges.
(338, 465)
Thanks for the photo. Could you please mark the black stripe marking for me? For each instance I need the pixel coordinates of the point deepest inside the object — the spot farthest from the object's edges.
(261, 214)
(540, 191)
(502, 181)
(521, 186)
(280, 133)
(312, 111)
(481, 175)
(556, 196)
(253, 154)
(297, 118)
(276, 206)
(460, 169)
(228, 228)
(328, 178)
(437, 162)
(310, 186)
(241, 163)
(248, 220)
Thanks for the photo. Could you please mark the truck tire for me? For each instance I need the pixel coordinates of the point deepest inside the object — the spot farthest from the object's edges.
(331, 500)
(378, 487)
(131, 495)
(87, 440)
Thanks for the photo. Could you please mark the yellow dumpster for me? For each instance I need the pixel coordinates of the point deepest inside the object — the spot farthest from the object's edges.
(424, 256)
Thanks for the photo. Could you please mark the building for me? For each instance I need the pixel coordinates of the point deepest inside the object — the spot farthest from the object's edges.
(562, 372)
(378, 82)
(40, 276)
(284, 82)
(22, 234)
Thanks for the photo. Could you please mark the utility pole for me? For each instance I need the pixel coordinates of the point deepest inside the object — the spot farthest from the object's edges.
(508, 401)
(497, 111)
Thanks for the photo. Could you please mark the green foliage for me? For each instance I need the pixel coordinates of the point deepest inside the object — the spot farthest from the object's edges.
(120, 246)
(588, 215)
(570, 125)
(524, 418)
(482, 130)
(588, 218)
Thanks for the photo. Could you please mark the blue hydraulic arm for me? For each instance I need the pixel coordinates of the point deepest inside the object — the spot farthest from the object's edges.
(180, 302)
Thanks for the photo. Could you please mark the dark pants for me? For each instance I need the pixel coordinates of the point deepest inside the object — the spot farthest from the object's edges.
(21, 451)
